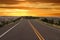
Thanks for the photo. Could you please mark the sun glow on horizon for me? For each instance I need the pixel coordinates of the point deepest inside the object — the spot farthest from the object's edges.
(29, 12)
(15, 12)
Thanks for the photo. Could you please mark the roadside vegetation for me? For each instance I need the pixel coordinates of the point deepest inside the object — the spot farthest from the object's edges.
(51, 21)
(2, 23)
(16, 19)
(5, 21)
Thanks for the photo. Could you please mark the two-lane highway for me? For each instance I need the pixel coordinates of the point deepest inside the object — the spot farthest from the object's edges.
(22, 31)
(30, 30)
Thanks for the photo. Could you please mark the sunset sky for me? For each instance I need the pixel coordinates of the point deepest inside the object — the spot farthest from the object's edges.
(30, 8)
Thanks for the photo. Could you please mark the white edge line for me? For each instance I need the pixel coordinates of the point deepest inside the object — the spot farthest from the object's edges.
(8, 30)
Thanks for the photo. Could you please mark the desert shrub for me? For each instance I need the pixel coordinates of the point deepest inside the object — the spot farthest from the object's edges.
(1, 24)
(45, 20)
(59, 22)
(17, 19)
(51, 21)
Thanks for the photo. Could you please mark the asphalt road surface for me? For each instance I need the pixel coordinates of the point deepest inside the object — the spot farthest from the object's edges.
(29, 29)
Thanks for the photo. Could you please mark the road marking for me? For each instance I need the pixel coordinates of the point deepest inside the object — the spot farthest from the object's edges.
(9, 30)
(36, 31)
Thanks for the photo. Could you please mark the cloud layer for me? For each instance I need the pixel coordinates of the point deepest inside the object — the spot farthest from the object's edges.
(48, 1)
(17, 1)
(8, 2)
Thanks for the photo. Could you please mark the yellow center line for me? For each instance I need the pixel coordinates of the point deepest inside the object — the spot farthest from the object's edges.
(36, 32)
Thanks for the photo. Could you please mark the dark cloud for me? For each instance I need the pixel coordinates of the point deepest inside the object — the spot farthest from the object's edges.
(15, 1)
(8, 2)
(56, 4)
(47, 1)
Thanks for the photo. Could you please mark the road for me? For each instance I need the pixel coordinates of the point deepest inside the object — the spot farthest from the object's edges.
(29, 29)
